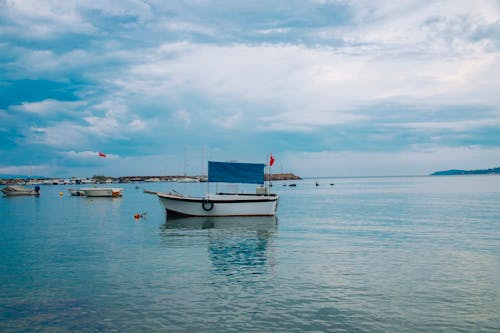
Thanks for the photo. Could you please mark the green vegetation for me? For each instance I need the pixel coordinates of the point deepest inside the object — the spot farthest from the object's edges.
(467, 172)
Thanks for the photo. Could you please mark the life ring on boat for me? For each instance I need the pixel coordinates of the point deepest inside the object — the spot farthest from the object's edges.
(207, 205)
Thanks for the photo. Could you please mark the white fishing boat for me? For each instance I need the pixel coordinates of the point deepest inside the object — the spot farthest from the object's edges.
(76, 192)
(187, 180)
(16, 190)
(102, 191)
(260, 203)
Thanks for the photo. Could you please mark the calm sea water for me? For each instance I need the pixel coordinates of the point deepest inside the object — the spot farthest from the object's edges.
(402, 254)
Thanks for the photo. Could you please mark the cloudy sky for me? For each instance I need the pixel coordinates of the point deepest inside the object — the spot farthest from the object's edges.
(331, 88)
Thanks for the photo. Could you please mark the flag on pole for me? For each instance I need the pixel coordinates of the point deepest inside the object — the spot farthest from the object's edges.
(271, 160)
(101, 154)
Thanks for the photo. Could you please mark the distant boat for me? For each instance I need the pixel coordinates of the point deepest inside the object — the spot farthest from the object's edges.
(102, 191)
(16, 190)
(76, 192)
(293, 185)
(187, 180)
(260, 203)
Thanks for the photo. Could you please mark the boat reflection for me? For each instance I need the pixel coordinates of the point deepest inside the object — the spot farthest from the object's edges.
(238, 247)
(263, 223)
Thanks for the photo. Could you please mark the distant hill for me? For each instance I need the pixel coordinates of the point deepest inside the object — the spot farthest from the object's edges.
(467, 172)
(282, 176)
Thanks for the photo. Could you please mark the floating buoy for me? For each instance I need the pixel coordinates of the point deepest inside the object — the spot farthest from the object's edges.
(140, 216)
(60, 194)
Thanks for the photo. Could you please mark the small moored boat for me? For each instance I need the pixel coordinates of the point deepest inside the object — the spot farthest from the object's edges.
(76, 192)
(187, 180)
(102, 191)
(260, 203)
(16, 190)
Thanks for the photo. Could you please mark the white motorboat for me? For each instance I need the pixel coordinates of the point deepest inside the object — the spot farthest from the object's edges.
(76, 192)
(260, 203)
(220, 204)
(16, 190)
(102, 191)
(187, 180)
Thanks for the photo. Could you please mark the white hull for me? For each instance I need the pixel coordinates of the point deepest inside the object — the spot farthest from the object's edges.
(188, 180)
(220, 205)
(15, 190)
(76, 192)
(102, 192)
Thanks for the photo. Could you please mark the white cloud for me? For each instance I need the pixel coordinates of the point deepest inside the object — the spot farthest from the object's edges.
(107, 120)
(51, 19)
(187, 27)
(309, 86)
(183, 116)
(273, 31)
(303, 120)
(459, 126)
(116, 122)
(137, 125)
(136, 8)
(62, 135)
(25, 170)
(35, 64)
(44, 19)
(48, 106)
(231, 120)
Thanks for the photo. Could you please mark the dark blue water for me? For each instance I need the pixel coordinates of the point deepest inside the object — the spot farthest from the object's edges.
(415, 254)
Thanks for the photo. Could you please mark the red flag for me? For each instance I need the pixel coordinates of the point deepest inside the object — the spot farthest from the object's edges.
(101, 154)
(271, 160)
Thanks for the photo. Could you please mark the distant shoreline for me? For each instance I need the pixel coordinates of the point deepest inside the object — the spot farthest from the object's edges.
(17, 179)
(456, 172)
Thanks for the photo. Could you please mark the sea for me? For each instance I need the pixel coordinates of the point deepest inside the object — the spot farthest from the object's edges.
(372, 254)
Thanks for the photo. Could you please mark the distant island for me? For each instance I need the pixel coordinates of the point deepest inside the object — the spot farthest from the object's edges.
(282, 176)
(455, 172)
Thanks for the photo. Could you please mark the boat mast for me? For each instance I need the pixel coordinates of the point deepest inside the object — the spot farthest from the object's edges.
(268, 174)
(185, 160)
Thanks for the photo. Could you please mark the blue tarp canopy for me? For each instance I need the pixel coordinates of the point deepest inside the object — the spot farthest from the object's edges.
(224, 172)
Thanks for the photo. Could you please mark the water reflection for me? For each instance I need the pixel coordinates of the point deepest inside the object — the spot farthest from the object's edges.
(237, 246)
(256, 223)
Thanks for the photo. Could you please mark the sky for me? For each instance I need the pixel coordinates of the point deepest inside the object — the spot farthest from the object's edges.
(330, 88)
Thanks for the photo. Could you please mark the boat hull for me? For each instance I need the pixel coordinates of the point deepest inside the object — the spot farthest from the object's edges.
(102, 192)
(76, 192)
(15, 191)
(18, 194)
(219, 205)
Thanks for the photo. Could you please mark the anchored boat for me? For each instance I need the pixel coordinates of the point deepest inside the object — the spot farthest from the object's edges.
(16, 190)
(102, 191)
(260, 203)
(76, 192)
